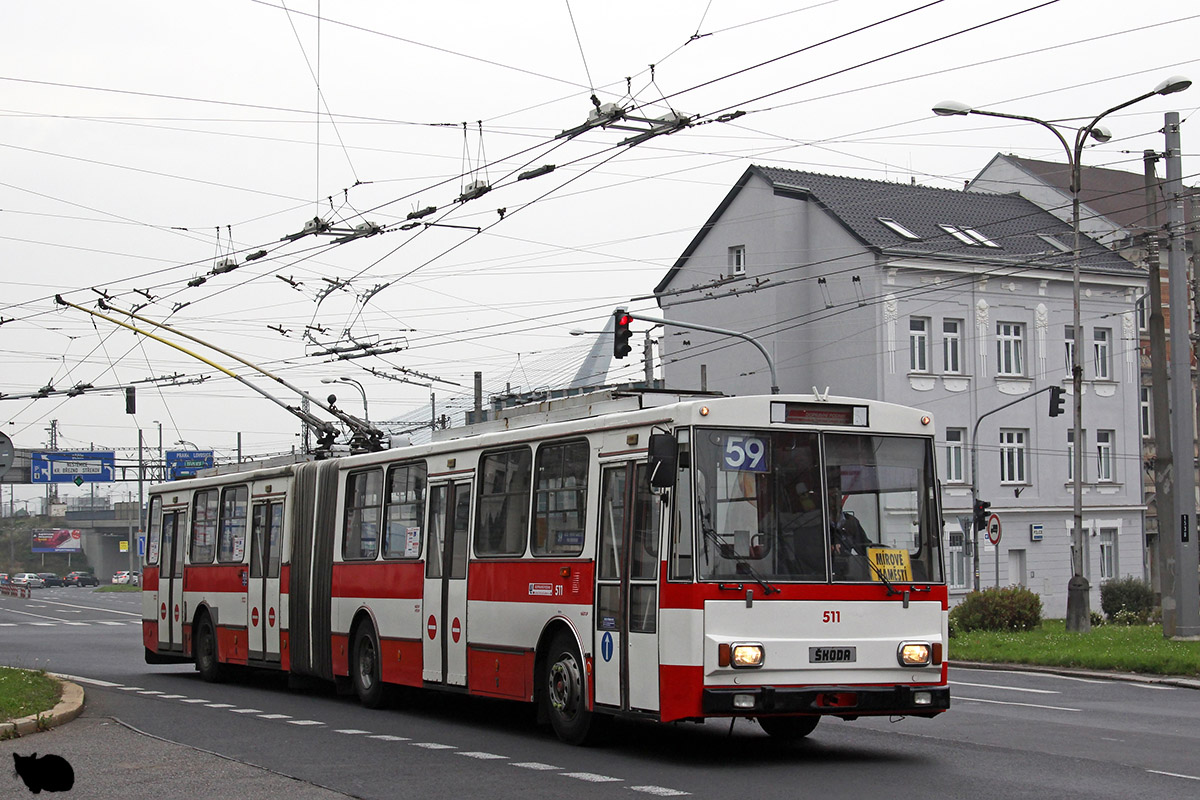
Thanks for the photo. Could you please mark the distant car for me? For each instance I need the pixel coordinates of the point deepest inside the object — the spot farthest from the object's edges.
(80, 578)
(29, 579)
(3, 578)
(121, 577)
(50, 579)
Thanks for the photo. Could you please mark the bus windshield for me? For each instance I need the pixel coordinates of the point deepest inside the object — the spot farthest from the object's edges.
(777, 505)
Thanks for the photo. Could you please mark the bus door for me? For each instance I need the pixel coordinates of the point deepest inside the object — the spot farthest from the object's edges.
(445, 601)
(626, 617)
(266, 537)
(170, 581)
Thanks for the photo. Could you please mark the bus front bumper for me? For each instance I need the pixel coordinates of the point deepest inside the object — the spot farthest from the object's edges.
(842, 701)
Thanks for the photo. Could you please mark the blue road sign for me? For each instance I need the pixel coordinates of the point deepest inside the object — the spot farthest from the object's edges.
(185, 463)
(73, 466)
(606, 646)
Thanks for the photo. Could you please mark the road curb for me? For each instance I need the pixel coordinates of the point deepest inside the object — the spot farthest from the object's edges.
(67, 709)
(1128, 677)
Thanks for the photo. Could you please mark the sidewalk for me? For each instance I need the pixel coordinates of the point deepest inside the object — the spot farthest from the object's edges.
(112, 760)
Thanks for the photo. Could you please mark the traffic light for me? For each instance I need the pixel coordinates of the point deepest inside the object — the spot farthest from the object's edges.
(981, 514)
(621, 334)
(1056, 400)
(130, 400)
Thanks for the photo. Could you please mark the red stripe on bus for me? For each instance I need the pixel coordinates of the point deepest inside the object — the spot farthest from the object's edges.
(693, 596)
(531, 581)
(150, 579)
(401, 661)
(494, 673)
(231, 644)
(150, 634)
(679, 692)
(379, 579)
(214, 578)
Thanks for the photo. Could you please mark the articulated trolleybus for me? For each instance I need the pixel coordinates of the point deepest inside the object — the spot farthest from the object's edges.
(638, 554)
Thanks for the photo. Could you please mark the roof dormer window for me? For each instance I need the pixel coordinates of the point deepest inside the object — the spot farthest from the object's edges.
(899, 229)
(1054, 242)
(969, 236)
(983, 240)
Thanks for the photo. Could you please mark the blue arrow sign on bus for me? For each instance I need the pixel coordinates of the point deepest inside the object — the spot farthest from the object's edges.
(73, 466)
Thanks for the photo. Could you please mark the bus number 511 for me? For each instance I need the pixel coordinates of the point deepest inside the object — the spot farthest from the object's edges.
(831, 616)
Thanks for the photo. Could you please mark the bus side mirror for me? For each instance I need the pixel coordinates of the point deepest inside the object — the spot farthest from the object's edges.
(663, 448)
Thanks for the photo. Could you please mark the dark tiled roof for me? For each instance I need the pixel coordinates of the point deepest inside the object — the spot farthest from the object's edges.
(1008, 220)
(1119, 196)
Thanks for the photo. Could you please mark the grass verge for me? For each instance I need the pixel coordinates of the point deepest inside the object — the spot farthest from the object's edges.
(1124, 648)
(118, 587)
(24, 692)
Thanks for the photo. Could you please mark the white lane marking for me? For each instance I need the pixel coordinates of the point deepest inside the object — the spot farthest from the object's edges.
(27, 614)
(130, 688)
(434, 746)
(8, 624)
(350, 731)
(1007, 703)
(384, 737)
(274, 716)
(91, 681)
(1174, 774)
(1059, 677)
(304, 722)
(219, 705)
(482, 756)
(246, 710)
(150, 691)
(1006, 688)
(193, 700)
(172, 697)
(661, 791)
(534, 765)
(109, 622)
(590, 777)
(1154, 686)
(85, 624)
(95, 608)
(42, 624)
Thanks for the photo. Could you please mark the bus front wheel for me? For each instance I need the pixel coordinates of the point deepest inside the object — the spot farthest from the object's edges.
(788, 729)
(565, 697)
(364, 669)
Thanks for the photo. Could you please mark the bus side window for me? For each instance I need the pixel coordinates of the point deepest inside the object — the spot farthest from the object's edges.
(503, 517)
(154, 536)
(234, 507)
(204, 526)
(363, 499)
(404, 511)
(560, 499)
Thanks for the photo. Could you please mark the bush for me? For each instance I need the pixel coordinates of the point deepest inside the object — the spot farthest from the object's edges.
(1012, 608)
(1127, 601)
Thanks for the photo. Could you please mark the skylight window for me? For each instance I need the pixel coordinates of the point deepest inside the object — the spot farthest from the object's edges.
(983, 240)
(898, 228)
(961, 235)
(1054, 242)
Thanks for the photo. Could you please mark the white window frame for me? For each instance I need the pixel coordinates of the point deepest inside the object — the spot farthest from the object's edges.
(1071, 454)
(1010, 349)
(956, 558)
(918, 344)
(956, 439)
(1102, 350)
(737, 260)
(1143, 313)
(952, 346)
(1108, 553)
(1146, 409)
(1069, 347)
(1014, 466)
(1105, 452)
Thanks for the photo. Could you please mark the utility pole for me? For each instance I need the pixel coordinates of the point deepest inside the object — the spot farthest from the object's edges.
(1164, 480)
(1185, 602)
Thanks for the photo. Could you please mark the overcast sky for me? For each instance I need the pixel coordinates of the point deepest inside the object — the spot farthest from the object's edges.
(146, 142)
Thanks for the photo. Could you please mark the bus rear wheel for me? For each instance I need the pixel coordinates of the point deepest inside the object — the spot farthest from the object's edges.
(208, 662)
(564, 695)
(364, 668)
(788, 729)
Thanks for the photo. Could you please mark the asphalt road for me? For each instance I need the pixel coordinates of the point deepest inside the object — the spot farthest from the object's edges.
(1008, 734)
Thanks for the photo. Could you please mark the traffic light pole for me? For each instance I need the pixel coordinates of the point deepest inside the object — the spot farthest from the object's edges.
(696, 327)
(975, 526)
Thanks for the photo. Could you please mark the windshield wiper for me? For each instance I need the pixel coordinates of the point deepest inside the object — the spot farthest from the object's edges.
(711, 535)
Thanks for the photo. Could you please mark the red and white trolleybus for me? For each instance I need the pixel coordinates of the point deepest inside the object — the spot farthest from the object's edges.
(641, 554)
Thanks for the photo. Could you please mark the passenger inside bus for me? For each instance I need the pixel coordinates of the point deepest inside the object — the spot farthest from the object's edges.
(848, 540)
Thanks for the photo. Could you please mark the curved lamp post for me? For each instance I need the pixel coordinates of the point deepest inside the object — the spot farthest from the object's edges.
(1078, 614)
(356, 385)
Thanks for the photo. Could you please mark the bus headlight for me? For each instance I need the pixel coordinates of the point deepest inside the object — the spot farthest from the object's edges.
(747, 656)
(914, 654)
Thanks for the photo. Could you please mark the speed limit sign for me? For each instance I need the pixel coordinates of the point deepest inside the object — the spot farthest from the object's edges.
(993, 529)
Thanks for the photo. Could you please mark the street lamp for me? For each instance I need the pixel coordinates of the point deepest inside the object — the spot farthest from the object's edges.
(357, 385)
(1078, 613)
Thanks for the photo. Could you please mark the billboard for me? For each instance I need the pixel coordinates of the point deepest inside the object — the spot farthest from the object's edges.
(57, 540)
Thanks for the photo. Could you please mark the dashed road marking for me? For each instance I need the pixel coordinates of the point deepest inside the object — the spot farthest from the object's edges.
(1010, 703)
(535, 765)
(386, 737)
(434, 746)
(1175, 775)
(590, 777)
(350, 731)
(482, 756)
(246, 710)
(304, 722)
(274, 716)
(150, 691)
(219, 705)
(661, 791)
(192, 700)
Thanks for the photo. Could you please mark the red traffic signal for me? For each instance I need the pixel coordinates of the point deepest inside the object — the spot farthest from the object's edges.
(621, 333)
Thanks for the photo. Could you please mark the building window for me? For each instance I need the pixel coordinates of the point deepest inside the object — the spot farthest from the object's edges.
(918, 344)
(737, 260)
(1102, 347)
(898, 228)
(1143, 313)
(952, 346)
(1108, 553)
(1012, 456)
(957, 552)
(1010, 354)
(1104, 455)
(1071, 453)
(1069, 349)
(1145, 404)
(955, 438)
